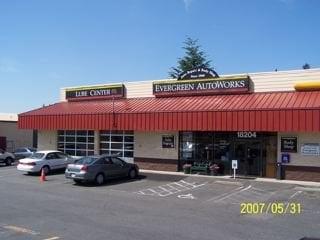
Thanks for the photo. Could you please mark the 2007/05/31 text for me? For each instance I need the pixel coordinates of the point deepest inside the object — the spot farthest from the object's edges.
(277, 208)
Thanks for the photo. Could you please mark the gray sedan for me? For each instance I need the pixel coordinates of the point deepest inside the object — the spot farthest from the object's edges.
(99, 168)
(25, 152)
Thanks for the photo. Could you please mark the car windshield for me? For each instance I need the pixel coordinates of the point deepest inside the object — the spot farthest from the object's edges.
(86, 160)
(32, 149)
(37, 155)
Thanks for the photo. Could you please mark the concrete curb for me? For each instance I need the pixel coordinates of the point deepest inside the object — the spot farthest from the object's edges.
(227, 177)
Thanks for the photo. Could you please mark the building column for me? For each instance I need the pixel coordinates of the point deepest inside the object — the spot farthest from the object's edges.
(96, 142)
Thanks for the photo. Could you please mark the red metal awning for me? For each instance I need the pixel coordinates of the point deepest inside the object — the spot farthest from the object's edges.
(277, 111)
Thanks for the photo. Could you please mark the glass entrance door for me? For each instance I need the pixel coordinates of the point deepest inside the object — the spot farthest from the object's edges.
(249, 156)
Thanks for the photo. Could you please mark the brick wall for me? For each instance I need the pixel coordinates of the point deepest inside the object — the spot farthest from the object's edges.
(157, 164)
(302, 173)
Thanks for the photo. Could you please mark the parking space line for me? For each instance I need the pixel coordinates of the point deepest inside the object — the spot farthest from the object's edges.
(165, 190)
(20, 229)
(231, 194)
(52, 238)
(187, 183)
(295, 194)
(224, 194)
(179, 187)
(170, 188)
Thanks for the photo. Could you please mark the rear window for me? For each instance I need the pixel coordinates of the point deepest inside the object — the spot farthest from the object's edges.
(86, 160)
(32, 149)
(20, 150)
(37, 155)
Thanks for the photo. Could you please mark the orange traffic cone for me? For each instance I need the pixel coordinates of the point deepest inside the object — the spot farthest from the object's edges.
(43, 176)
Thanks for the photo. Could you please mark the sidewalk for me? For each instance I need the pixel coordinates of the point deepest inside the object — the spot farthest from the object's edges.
(228, 178)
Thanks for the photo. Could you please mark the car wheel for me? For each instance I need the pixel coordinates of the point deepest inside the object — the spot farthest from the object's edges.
(46, 170)
(132, 173)
(9, 161)
(99, 180)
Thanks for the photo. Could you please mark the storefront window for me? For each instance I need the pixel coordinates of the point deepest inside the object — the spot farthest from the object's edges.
(222, 151)
(187, 146)
(76, 143)
(256, 152)
(117, 142)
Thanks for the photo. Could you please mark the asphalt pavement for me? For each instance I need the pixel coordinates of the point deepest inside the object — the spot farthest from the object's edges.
(154, 206)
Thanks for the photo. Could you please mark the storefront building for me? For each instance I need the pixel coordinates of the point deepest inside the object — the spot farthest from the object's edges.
(259, 119)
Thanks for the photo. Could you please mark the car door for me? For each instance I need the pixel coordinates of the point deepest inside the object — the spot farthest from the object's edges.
(51, 160)
(121, 167)
(104, 165)
(62, 160)
(112, 170)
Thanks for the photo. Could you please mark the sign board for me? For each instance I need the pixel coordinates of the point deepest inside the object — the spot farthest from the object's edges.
(289, 144)
(167, 141)
(285, 158)
(198, 73)
(310, 149)
(100, 92)
(232, 85)
(234, 164)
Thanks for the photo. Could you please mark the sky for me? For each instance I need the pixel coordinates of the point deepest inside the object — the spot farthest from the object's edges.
(46, 45)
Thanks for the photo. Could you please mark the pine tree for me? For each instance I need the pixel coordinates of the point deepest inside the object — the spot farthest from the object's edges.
(306, 66)
(194, 57)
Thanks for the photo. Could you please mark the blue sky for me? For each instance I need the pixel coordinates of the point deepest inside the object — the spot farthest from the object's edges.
(45, 45)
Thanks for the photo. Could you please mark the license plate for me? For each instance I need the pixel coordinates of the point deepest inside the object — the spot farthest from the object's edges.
(73, 175)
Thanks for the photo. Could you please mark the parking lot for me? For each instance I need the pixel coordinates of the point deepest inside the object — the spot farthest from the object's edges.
(154, 206)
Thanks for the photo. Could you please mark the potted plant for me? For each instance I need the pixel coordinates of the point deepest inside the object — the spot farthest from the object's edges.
(187, 168)
(214, 169)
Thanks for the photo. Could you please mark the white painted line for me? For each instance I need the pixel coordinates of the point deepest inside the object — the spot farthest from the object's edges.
(172, 189)
(253, 191)
(165, 190)
(308, 189)
(224, 194)
(295, 194)
(260, 190)
(180, 185)
(177, 189)
(20, 229)
(169, 189)
(191, 184)
(186, 196)
(231, 194)
(229, 183)
(53, 238)
(144, 192)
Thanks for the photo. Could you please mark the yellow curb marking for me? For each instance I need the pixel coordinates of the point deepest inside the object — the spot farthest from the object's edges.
(53, 238)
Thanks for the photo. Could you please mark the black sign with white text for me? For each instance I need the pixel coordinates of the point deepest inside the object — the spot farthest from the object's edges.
(168, 141)
(198, 73)
(289, 144)
(101, 92)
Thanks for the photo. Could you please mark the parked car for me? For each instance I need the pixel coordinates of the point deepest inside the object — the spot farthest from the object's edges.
(6, 157)
(99, 168)
(20, 153)
(46, 160)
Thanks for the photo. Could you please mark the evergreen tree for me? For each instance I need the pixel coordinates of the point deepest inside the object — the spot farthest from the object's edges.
(194, 57)
(306, 66)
